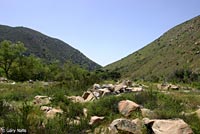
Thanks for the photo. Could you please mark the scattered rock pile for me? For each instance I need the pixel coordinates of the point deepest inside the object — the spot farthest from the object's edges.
(99, 91)
(153, 126)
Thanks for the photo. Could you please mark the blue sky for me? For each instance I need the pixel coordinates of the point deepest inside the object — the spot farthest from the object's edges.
(104, 30)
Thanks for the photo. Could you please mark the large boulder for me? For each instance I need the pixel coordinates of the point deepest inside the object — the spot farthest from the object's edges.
(95, 119)
(125, 107)
(125, 125)
(177, 126)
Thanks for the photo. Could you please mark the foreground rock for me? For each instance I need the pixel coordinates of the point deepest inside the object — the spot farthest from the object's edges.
(125, 125)
(126, 107)
(177, 126)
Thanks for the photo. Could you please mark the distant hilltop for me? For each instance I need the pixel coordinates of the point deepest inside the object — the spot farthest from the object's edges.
(45, 47)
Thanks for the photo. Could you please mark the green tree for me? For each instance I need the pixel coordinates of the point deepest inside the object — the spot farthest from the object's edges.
(9, 52)
(26, 68)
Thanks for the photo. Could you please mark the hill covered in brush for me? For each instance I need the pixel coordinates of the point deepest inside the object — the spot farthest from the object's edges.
(177, 49)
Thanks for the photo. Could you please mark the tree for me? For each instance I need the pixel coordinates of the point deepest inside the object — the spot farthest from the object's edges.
(9, 52)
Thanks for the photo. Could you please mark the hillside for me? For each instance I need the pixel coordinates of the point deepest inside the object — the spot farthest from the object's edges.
(46, 47)
(178, 48)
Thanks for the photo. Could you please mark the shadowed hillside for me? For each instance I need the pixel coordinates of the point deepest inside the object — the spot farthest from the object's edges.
(178, 48)
(45, 47)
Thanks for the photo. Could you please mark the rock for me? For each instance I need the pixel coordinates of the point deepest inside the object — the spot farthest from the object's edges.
(125, 125)
(128, 89)
(73, 121)
(1, 130)
(85, 112)
(109, 87)
(85, 95)
(167, 87)
(137, 89)
(129, 83)
(42, 100)
(31, 81)
(45, 108)
(52, 113)
(3, 80)
(125, 107)
(41, 97)
(177, 126)
(96, 86)
(95, 119)
(163, 86)
(90, 97)
(198, 113)
(96, 94)
(120, 86)
(104, 92)
(174, 87)
(76, 99)
(147, 113)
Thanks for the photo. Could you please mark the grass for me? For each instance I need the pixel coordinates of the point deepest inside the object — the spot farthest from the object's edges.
(25, 115)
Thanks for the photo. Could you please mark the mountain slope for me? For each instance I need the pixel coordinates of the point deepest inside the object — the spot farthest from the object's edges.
(46, 47)
(179, 48)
